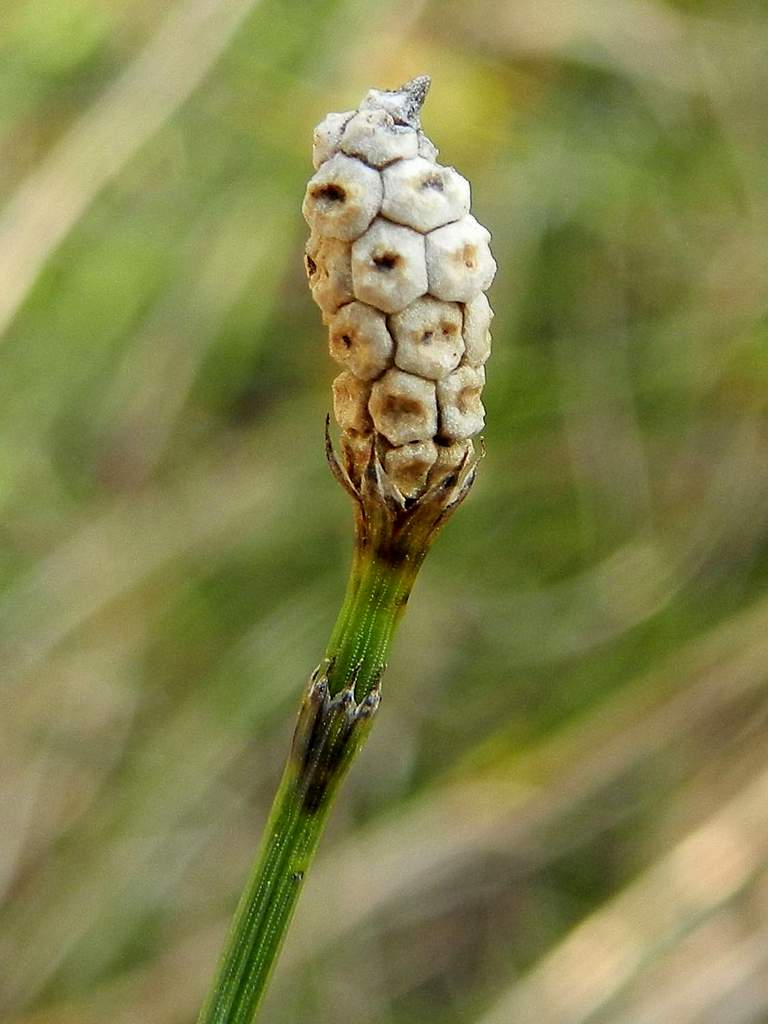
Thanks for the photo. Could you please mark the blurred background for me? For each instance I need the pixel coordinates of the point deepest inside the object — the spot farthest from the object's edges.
(562, 814)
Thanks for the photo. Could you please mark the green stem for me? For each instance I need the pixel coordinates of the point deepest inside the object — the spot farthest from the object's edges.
(375, 600)
(333, 721)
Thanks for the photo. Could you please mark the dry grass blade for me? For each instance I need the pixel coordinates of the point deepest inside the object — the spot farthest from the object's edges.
(605, 953)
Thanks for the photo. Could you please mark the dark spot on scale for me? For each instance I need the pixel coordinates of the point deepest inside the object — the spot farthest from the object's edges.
(346, 341)
(427, 337)
(434, 181)
(310, 264)
(386, 260)
(330, 193)
(399, 405)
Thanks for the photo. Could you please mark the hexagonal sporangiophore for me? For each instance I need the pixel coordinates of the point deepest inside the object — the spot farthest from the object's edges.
(428, 337)
(342, 198)
(459, 262)
(403, 407)
(350, 402)
(327, 136)
(328, 263)
(422, 195)
(461, 409)
(409, 465)
(358, 339)
(477, 335)
(374, 136)
(388, 266)
(449, 459)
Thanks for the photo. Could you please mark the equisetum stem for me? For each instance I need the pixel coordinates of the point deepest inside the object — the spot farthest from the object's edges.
(334, 719)
(375, 599)
(399, 267)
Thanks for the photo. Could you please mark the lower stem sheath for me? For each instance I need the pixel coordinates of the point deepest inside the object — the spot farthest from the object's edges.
(334, 719)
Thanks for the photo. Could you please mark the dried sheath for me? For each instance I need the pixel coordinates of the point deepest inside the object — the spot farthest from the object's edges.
(399, 267)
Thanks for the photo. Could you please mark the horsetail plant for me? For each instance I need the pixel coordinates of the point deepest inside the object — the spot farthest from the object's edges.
(399, 267)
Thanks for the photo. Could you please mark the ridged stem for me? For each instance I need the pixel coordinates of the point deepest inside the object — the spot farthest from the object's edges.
(373, 605)
(334, 719)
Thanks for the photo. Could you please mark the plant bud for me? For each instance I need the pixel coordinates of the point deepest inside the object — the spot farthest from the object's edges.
(399, 267)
